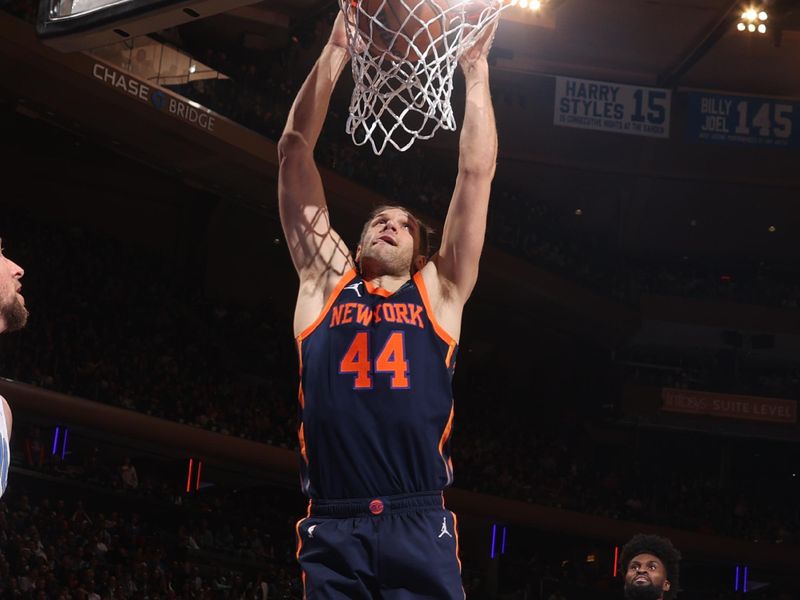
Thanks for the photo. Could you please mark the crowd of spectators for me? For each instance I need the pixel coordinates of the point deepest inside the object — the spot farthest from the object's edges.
(56, 543)
(725, 370)
(654, 477)
(165, 351)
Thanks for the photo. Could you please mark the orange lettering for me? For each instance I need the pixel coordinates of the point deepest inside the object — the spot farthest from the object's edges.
(336, 315)
(402, 313)
(416, 312)
(388, 313)
(364, 316)
(348, 312)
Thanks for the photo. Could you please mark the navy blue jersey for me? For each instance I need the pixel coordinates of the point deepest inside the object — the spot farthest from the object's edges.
(376, 403)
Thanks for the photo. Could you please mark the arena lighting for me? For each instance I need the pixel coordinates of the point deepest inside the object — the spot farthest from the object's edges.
(616, 560)
(532, 5)
(190, 472)
(494, 541)
(752, 20)
(189, 476)
(742, 581)
(199, 470)
(56, 435)
(772, 229)
(503, 543)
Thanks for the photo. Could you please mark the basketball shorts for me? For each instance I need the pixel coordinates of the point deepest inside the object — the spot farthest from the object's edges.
(388, 548)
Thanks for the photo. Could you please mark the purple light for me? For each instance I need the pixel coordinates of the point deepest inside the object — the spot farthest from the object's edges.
(736, 581)
(64, 445)
(744, 586)
(503, 543)
(55, 441)
(494, 539)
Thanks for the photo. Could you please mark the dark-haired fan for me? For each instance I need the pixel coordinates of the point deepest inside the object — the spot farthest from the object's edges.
(652, 568)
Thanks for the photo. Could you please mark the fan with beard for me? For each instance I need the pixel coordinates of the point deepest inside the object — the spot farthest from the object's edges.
(642, 592)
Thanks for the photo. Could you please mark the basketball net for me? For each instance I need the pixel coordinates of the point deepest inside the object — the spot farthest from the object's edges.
(403, 72)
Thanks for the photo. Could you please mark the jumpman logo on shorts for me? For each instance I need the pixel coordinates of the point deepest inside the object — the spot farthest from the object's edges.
(444, 528)
(354, 287)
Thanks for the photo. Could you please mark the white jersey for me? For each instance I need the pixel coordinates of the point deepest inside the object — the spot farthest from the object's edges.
(5, 449)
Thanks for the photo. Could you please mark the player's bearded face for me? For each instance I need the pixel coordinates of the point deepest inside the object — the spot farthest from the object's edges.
(646, 578)
(13, 314)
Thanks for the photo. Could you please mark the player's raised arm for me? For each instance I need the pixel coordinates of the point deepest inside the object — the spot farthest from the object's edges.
(317, 251)
(465, 225)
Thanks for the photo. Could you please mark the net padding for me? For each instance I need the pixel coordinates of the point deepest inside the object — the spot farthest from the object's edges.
(403, 71)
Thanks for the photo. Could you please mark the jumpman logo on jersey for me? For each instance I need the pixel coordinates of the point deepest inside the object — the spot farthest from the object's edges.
(444, 528)
(311, 531)
(354, 287)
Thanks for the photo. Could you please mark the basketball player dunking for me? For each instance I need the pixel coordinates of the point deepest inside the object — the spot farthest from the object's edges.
(377, 337)
(13, 316)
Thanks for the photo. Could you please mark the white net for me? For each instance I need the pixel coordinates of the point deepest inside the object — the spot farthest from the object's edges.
(404, 55)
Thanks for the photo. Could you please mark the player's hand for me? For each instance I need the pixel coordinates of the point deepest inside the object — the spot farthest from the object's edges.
(479, 50)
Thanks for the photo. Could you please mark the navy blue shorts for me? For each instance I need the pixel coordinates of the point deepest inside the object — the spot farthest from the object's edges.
(388, 548)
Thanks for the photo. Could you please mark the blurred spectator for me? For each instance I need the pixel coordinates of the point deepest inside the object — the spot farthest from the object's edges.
(127, 472)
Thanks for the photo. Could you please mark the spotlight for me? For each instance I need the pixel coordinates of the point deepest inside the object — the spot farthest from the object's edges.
(532, 5)
(772, 229)
(752, 20)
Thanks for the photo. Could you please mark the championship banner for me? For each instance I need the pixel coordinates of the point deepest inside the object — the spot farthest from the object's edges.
(748, 408)
(613, 107)
(748, 120)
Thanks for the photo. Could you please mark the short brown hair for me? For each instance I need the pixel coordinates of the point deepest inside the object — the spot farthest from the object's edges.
(425, 231)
